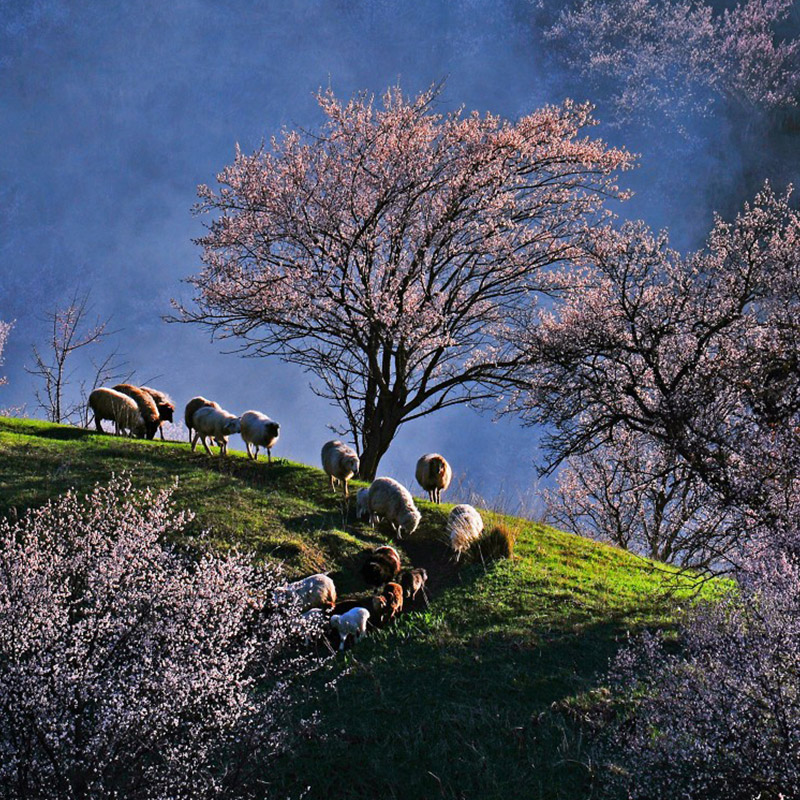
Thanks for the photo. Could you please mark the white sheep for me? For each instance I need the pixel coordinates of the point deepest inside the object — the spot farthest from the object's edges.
(390, 500)
(362, 504)
(464, 526)
(434, 475)
(315, 591)
(119, 408)
(192, 406)
(218, 424)
(353, 622)
(340, 462)
(259, 430)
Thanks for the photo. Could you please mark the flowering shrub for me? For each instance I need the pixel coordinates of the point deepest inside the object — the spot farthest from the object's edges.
(682, 57)
(129, 670)
(721, 719)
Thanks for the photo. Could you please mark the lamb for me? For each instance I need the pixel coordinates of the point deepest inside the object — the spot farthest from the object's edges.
(375, 604)
(464, 526)
(260, 431)
(391, 500)
(393, 595)
(218, 424)
(193, 405)
(146, 404)
(352, 622)
(164, 405)
(381, 566)
(315, 591)
(119, 408)
(434, 475)
(412, 581)
(362, 504)
(340, 462)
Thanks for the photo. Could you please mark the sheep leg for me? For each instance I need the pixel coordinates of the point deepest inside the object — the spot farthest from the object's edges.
(333, 488)
(346, 492)
(342, 637)
(203, 440)
(269, 455)
(193, 437)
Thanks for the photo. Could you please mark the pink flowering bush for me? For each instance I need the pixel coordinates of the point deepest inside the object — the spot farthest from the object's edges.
(721, 717)
(127, 669)
(683, 57)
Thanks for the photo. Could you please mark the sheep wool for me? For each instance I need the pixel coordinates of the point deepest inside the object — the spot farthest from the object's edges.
(259, 430)
(390, 500)
(147, 407)
(434, 475)
(340, 462)
(464, 526)
(119, 408)
(193, 405)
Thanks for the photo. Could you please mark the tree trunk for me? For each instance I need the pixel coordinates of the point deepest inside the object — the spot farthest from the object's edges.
(379, 431)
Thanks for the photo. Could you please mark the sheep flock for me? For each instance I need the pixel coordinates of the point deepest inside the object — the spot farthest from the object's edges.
(141, 411)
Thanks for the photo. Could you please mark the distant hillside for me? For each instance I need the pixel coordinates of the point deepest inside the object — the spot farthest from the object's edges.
(461, 699)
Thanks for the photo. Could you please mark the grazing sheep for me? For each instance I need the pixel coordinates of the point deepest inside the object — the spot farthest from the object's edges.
(119, 408)
(412, 580)
(434, 475)
(146, 404)
(340, 462)
(464, 526)
(375, 604)
(390, 500)
(393, 595)
(211, 422)
(260, 431)
(381, 566)
(352, 622)
(315, 591)
(193, 405)
(164, 405)
(362, 504)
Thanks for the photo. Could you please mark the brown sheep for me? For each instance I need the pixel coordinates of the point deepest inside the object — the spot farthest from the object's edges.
(193, 405)
(434, 475)
(412, 580)
(381, 566)
(393, 594)
(147, 407)
(164, 404)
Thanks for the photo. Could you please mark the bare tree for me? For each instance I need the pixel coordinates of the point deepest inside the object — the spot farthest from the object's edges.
(70, 332)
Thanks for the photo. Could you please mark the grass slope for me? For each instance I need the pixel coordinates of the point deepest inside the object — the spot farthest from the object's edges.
(459, 699)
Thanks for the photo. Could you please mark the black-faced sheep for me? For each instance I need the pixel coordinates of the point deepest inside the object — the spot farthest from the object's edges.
(315, 591)
(260, 431)
(434, 475)
(146, 404)
(218, 425)
(119, 408)
(464, 526)
(193, 405)
(353, 622)
(390, 500)
(340, 462)
(381, 566)
(164, 404)
(412, 581)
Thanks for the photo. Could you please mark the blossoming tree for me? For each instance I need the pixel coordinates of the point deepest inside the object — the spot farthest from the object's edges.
(387, 252)
(128, 670)
(680, 57)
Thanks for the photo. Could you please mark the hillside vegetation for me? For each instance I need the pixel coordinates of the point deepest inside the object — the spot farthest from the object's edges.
(464, 697)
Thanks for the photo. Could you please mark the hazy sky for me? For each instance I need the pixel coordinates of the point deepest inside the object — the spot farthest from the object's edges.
(111, 114)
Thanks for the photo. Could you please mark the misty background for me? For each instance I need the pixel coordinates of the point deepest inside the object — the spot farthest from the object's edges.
(111, 114)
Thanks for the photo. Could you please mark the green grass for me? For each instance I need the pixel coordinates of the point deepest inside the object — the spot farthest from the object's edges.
(458, 700)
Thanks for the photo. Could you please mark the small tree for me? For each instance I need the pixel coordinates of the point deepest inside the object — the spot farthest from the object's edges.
(5, 329)
(388, 252)
(636, 494)
(69, 333)
(128, 670)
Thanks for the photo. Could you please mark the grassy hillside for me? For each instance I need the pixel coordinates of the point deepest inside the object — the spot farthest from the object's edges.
(461, 699)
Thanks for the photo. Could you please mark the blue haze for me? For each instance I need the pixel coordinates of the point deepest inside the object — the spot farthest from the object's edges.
(112, 112)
